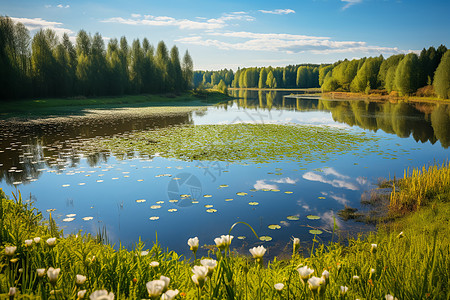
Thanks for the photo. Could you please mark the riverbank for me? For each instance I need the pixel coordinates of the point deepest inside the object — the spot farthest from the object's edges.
(407, 258)
(379, 97)
(35, 109)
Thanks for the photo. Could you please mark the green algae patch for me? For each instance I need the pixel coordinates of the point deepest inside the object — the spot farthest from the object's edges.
(258, 143)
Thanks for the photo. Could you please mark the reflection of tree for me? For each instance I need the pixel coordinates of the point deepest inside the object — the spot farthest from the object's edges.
(402, 118)
(440, 120)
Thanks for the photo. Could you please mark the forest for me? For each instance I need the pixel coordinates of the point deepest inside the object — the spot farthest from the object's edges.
(48, 66)
(426, 74)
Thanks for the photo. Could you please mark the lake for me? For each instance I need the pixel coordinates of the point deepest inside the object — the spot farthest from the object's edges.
(148, 196)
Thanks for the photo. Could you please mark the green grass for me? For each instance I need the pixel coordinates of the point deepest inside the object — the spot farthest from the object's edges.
(42, 107)
(411, 265)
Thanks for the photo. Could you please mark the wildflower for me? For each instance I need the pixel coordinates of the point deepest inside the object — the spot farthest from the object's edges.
(14, 260)
(28, 243)
(326, 276)
(144, 253)
(279, 286)
(40, 272)
(37, 240)
(154, 264)
(373, 248)
(356, 278)
(9, 250)
(193, 244)
(166, 282)
(371, 271)
(305, 273)
(81, 294)
(390, 297)
(210, 264)
(199, 276)
(12, 291)
(101, 295)
(155, 288)
(343, 289)
(52, 274)
(51, 242)
(80, 279)
(169, 295)
(258, 252)
(21, 270)
(223, 242)
(134, 280)
(314, 283)
(295, 244)
(400, 235)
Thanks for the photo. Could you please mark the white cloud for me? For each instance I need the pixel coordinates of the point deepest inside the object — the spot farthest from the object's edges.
(62, 6)
(47, 6)
(278, 11)
(281, 42)
(202, 24)
(38, 23)
(350, 3)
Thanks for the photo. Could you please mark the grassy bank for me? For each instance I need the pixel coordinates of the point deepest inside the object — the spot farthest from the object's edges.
(62, 106)
(407, 258)
(378, 96)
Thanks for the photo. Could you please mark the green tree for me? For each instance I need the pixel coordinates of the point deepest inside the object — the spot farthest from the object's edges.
(262, 78)
(367, 76)
(442, 77)
(162, 63)
(407, 75)
(187, 68)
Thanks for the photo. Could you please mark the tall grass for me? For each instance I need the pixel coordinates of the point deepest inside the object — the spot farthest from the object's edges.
(419, 187)
(412, 265)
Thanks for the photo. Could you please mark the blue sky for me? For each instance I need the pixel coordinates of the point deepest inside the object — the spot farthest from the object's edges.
(243, 33)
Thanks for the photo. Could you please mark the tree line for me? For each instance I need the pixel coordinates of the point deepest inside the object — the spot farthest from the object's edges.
(427, 74)
(298, 76)
(48, 66)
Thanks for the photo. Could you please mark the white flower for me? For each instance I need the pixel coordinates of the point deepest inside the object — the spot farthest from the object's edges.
(210, 264)
(325, 274)
(193, 244)
(37, 240)
(28, 243)
(144, 253)
(343, 289)
(154, 264)
(40, 272)
(200, 273)
(356, 277)
(21, 270)
(400, 235)
(296, 244)
(52, 274)
(9, 250)
(223, 242)
(169, 295)
(155, 288)
(166, 282)
(101, 295)
(390, 297)
(81, 294)
(372, 271)
(12, 291)
(315, 283)
(373, 248)
(51, 242)
(278, 286)
(258, 252)
(305, 272)
(80, 279)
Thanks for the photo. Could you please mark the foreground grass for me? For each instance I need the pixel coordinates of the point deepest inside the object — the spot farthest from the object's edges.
(408, 259)
(42, 107)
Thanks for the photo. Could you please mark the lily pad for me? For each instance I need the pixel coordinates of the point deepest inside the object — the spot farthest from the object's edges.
(274, 226)
(313, 217)
(172, 210)
(207, 196)
(155, 206)
(253, 203)
(315, 231)
(87, 218)
(211, 210)
(140, 200)
(241, 194)
(154, 218)
(265, 238)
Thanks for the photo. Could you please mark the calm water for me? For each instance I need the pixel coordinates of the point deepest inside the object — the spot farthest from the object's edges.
(121, 194)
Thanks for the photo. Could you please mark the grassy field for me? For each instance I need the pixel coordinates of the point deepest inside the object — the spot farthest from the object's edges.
(406, 259)
(63, 106)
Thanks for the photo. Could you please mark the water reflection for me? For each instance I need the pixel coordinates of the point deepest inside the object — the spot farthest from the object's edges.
(27, 149)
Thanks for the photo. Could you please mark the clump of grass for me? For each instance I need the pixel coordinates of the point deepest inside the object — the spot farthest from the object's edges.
(419, 187)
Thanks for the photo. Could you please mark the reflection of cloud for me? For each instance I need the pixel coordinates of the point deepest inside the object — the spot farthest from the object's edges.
(303, 205)
(266, 183)
(339, 199)
(350, 3)
(284, 223)
(262, 184)
(328, 219)
(361, 180)
(340, 182)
